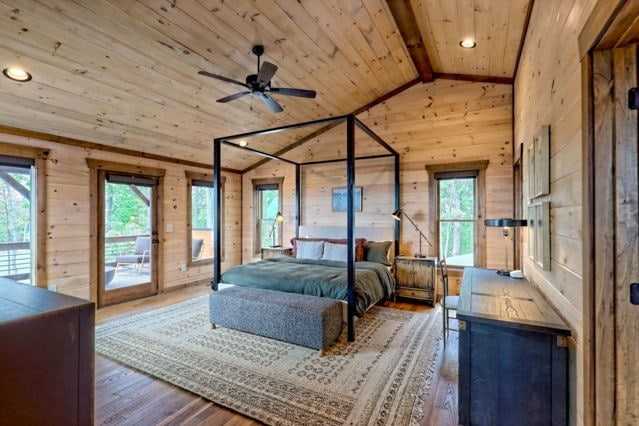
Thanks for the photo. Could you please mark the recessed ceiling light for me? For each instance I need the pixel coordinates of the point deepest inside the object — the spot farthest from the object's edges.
(468, 43)
(243, 143)
(16, 74)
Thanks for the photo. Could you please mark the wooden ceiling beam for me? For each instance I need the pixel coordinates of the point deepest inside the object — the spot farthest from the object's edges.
(99, 147)
(404, 16)
(473, 77)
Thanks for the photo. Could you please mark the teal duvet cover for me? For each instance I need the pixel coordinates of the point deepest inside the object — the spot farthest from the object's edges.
(324, 278)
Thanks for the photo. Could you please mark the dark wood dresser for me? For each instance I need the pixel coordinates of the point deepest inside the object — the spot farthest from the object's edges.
(512, 353)
(46, 357)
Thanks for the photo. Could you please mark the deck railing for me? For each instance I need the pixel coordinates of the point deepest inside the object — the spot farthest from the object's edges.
(15, 258)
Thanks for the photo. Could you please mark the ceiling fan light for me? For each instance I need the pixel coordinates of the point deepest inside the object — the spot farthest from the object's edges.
(468, 43)
(16, 74)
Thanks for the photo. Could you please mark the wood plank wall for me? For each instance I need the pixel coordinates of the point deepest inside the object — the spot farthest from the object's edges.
(68, 217)
(548, 91)
(441, 122)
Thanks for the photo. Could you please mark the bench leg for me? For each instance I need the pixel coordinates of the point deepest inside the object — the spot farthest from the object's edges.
(212, 326)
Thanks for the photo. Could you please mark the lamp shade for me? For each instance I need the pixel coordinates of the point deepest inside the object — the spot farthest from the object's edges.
(505, 223)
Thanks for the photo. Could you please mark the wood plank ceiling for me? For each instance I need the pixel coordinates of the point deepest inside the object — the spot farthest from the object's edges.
(123, 73)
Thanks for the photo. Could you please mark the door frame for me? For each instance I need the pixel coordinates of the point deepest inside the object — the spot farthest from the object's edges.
(98, 170)
(610, 25)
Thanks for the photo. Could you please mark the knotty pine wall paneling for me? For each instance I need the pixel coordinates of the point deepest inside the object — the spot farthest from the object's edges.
(441, 122)
(548, 91)
(68, 217)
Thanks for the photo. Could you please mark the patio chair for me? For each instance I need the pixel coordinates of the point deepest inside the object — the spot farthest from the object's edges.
(141, 255)
(197, 244)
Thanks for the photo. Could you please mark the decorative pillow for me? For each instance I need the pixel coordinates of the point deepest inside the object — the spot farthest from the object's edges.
(377, 251)
(309, 249)
(359, 245)
(335, 252)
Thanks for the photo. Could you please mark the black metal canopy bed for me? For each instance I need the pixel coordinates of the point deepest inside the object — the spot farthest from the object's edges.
(357, 276)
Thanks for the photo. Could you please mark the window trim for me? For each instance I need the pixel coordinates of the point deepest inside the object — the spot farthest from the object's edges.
(452, 170)
(279, 181)
(206, 177)
(39, 156)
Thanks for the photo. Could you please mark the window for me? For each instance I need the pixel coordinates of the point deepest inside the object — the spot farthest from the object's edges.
(267, 202)
(457, 219)
(21, 222)
(16, 217)
(457, 203)
(201, 212)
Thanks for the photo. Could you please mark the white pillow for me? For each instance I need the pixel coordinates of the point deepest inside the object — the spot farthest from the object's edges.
(309, 249)
(335, 252)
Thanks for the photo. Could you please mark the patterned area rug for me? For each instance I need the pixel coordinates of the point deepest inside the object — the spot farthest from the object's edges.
(381, 378)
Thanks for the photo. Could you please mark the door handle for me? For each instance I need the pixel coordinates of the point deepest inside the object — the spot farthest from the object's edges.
(155, 241)
(634, 293)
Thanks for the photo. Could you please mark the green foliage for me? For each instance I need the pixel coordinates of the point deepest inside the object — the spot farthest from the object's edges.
(270, 203)
(125, 212)
(15, 209)
(457, 219)
(201, 207)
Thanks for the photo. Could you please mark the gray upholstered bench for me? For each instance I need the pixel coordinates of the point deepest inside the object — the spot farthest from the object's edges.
(310, 321)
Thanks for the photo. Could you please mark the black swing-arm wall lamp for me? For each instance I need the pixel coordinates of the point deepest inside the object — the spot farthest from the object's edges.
(397, 215)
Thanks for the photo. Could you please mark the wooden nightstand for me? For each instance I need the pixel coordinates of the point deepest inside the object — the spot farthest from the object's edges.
(415, 278)
(276, 251)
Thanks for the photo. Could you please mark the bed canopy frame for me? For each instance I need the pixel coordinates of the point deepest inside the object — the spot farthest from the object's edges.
(351, 121)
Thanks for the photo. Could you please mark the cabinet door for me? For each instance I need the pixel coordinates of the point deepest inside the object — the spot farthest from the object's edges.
(405, 273)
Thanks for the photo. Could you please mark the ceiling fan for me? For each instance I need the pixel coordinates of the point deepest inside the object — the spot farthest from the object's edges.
(260, 84)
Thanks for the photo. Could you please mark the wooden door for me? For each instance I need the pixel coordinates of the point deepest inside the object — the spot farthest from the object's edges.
(615, 236)
(115, 238)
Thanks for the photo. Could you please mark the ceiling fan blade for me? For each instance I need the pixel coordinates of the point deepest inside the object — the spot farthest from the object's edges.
(221, 77)
(233, 97)
(266, 73)
(271, 103)
(302, 93)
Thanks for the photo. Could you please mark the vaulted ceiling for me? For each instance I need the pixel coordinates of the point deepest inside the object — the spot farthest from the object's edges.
(124, 73)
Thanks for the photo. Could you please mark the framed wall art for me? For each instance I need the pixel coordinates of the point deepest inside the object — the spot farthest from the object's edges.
(340, 199)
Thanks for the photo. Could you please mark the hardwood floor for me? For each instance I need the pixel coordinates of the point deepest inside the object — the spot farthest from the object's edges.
(126, 396)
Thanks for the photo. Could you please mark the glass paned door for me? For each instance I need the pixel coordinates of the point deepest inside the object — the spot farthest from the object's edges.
(129, 238)
(17, 220)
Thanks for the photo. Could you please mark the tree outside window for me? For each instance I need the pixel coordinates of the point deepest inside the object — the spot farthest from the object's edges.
(267, 203)
(457, 222)
(201, 215)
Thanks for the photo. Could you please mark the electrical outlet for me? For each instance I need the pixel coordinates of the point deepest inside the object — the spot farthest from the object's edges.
(183, 267)
(53, 287)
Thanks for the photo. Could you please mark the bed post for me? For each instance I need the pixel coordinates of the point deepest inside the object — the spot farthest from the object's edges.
(217, 223)
(298, 199)
(397, 201)
(350, 221)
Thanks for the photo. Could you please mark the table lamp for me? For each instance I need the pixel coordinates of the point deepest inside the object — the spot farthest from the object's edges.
(278, 218)
(505, 224)
(397, 215)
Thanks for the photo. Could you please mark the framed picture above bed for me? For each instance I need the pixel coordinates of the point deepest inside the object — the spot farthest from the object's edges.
(340, 199)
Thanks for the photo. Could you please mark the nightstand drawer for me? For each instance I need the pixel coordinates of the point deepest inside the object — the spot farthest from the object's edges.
(415, 294)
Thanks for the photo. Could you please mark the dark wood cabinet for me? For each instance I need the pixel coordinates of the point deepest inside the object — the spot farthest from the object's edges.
(46, 357)
(415, 278)
(512, 353)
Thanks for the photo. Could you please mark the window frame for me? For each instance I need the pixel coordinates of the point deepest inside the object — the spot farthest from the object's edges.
(39, 156)
(257, 183)
(203, 177)
(461, 169)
